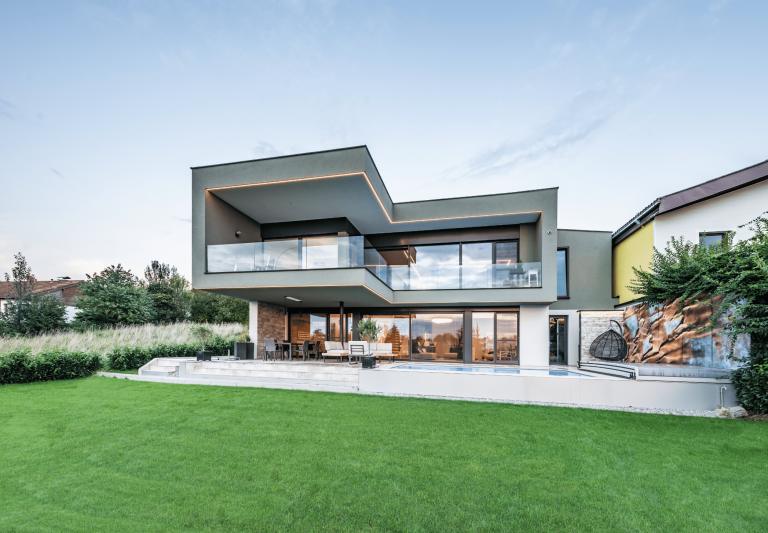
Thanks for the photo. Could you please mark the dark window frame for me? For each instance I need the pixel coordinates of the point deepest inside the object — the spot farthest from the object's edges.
(721, 234)
(567, 251)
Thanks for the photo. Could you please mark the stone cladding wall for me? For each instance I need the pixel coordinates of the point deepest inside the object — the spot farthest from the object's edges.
(271, 325)
(593, 324)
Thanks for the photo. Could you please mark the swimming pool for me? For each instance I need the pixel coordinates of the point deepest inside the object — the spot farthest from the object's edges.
(495, 370)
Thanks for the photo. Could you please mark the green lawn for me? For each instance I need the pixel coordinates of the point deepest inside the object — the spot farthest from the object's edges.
(105, 454)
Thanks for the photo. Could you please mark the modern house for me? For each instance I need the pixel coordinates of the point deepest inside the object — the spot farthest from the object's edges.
(702, 213)
(315, 243)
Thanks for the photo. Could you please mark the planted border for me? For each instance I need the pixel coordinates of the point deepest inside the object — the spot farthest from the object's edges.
(22, 366)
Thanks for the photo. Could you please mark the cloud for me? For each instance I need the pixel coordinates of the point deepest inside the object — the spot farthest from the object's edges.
(180, 219)
(8, 111)
(59, 174)
(581, 118)
(563, 50)
(264, 149)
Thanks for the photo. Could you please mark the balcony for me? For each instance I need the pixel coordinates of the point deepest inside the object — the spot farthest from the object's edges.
(294, 254)
(350, 252)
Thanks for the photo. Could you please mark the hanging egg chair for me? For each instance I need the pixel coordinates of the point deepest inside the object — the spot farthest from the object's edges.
(609, 346)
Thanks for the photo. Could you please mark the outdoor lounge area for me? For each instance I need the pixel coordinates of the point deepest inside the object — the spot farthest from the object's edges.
(307, 350)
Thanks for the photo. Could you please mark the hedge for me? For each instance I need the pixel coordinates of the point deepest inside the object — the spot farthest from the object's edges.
(133, 357)
(22, 367)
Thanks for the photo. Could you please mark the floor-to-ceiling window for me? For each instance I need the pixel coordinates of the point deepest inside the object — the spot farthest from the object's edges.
(494, 337)
(476, 259)
(558, 341)
(395, 331)
(483, 337)
(434, 267)
(309, 327)
(437, 336)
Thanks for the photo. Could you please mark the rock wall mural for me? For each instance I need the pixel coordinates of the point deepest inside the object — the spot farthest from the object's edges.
(661, 334)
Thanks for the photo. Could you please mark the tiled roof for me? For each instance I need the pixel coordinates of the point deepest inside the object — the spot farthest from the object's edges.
(6, 287)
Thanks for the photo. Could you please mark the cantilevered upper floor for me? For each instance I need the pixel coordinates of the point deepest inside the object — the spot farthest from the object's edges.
(322, 228)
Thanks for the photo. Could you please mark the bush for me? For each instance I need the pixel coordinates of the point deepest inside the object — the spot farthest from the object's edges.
(32, 315)
(750, 380)
(133, 357)
(23, 367)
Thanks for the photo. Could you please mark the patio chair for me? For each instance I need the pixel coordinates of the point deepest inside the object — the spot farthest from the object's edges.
(271, 348)
(356, 350)
(305, 350)
(314, 350)
(333, 350)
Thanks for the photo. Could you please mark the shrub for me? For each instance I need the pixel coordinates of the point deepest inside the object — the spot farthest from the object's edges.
(22, 367)
(133, 357)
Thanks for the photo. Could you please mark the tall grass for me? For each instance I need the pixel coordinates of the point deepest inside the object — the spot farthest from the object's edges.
(103, 340)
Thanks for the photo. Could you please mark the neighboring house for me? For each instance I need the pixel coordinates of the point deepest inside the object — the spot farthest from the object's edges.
(315, 243)
(63, 288)
(703, 213)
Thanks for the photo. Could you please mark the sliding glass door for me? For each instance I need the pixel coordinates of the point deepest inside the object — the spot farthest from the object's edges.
(494, 338)
(437, 336)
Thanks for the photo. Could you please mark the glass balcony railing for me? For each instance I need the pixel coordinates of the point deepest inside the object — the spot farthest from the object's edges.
(472, 276)
(294, 254)
(350, 252)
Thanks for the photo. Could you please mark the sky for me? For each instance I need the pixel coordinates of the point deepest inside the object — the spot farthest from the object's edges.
(105, 106)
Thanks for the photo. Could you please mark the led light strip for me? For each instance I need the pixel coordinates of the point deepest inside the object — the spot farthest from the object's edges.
(386, 213)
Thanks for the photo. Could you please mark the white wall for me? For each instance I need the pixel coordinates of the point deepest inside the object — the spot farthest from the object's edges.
(534, 335)
(253, 322)
(724, 213)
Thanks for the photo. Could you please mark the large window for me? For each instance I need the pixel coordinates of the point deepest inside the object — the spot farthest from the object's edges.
(562, 273)
(435, 267)
(494, 338)
(395, 331)
(476, 258)
(308, 327)
(437, 336)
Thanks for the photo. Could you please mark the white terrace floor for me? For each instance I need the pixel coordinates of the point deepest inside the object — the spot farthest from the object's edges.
(566, 385)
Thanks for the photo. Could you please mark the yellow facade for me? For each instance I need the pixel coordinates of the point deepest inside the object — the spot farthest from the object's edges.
(634, 251)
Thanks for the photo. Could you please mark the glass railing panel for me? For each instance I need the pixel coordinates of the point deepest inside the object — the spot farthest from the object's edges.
(293, 254)
(277, 255)
(515, 275)
(472, 276)
(231, 257)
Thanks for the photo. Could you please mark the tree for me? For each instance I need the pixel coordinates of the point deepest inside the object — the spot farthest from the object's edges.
(209, 307)
(114, 296)
(734, 279)
(169, 292)
(27, 313)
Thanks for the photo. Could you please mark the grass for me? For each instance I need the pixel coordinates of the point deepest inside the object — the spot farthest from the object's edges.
(103, 340)
(104, 454)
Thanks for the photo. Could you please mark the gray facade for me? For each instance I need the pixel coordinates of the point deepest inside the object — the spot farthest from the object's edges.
(320, 231)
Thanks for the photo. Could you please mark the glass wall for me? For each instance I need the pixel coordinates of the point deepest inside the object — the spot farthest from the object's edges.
(506, 338)
(476, 259)
(437, 337)
(395, 331)
(483, 337)
(494, 338)
(308, 327)
(335, 328)
(434, 267)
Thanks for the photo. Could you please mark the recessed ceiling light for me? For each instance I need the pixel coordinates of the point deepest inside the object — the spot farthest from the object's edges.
(292, 298)
(441, 320)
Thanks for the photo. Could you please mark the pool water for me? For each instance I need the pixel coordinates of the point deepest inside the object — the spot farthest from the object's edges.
(495, 370)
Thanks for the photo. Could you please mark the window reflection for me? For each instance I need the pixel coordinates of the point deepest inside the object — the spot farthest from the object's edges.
(437, 337)
(435, 267)
(395, 331)
(506, 338)
(482, 337)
